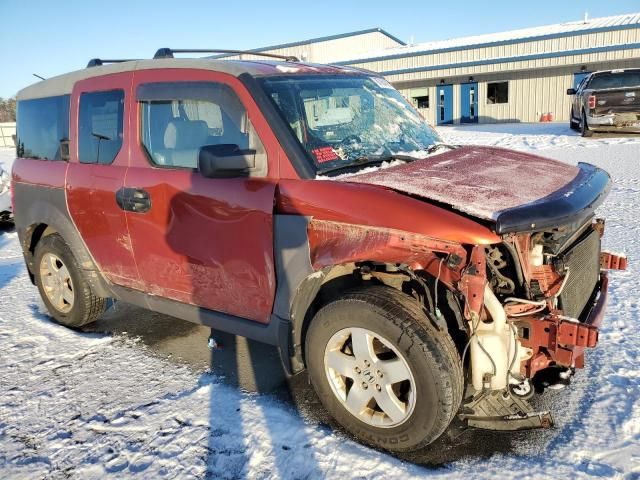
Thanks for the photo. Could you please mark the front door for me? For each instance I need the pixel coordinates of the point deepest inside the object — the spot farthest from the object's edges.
(98, 160)
(201, 241)
(444, 111)
(469, 102)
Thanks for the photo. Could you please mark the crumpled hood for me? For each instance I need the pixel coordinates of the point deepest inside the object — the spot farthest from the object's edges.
(479, 181)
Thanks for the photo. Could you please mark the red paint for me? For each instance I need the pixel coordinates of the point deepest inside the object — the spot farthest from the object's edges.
(556, 341)
(39, 172)
(91, 191)
(480, 181)
(473, 282)
(376, 206)
(333, 243)
(611, 261)
(207, 242)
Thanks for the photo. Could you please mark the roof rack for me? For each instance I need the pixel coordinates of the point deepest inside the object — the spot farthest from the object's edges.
(168, 53)
(96, 62)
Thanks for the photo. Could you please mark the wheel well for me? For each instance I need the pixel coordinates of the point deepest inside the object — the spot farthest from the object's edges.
(419, 285)
(37, 233)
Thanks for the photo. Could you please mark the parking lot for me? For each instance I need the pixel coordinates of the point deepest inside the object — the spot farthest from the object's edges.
(140, 394)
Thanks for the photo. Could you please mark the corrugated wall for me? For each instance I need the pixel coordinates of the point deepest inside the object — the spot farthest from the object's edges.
(333, 50)
(531, 93)
(491, 53)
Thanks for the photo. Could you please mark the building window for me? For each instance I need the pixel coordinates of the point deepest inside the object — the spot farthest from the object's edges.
(43, 128)
(421, 102)
(100, 126)
(498, 92)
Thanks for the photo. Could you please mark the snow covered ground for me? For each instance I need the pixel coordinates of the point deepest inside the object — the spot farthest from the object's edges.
(87, 405)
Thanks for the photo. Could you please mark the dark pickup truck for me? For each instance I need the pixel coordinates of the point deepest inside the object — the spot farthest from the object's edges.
(605, 101)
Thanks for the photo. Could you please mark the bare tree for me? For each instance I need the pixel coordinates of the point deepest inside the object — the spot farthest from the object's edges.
(7, 110)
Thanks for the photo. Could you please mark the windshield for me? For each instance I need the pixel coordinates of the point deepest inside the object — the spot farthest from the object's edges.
(342, 120)
(620, 79)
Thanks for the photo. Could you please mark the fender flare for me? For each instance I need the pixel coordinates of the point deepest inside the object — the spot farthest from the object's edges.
(48, 206)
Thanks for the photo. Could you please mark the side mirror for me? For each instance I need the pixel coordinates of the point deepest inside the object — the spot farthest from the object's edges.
(225, 161)
(571, 91)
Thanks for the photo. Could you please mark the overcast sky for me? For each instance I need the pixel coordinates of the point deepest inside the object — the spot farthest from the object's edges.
(57, 36)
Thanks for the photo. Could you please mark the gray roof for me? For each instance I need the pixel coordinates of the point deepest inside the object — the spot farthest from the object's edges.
(63, 84)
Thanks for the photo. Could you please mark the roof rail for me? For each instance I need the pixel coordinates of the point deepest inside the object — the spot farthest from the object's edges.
(96, 62)
(168, 53)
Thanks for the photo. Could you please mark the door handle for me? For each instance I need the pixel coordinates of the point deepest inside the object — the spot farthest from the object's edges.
(133, 200)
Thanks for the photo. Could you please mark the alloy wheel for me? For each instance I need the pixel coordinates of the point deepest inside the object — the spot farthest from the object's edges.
(370, 377)
(56, 282)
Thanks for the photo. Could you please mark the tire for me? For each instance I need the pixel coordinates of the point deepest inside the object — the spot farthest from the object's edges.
(573, 125)
(429, 354)
(79, 305)
(584, 126)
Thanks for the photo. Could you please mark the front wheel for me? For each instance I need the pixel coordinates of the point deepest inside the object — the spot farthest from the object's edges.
(382, 370)
(573, 125)
(63, 288)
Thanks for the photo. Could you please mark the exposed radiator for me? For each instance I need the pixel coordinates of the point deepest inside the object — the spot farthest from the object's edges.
(583, 260)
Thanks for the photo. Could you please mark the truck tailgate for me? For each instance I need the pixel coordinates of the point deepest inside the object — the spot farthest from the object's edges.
(621, 100)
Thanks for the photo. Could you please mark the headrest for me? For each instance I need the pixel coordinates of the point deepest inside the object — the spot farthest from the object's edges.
(186, 134)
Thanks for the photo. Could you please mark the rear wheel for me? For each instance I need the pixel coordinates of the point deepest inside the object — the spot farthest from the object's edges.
(382, 370)
(584, 126)
(64, 290)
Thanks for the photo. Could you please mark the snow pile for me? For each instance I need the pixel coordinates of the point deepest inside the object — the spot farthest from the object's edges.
(79, 405)
(6, 158)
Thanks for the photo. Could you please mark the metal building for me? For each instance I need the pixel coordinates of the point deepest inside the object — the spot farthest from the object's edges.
(514, 76)
(331, 48)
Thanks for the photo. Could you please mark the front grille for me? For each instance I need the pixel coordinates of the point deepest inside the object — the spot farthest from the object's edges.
(583, 261)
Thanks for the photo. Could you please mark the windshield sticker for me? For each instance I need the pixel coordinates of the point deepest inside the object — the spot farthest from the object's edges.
(381, 82)
(325, 154)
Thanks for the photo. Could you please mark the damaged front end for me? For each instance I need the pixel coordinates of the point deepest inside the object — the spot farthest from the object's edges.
(543, 299)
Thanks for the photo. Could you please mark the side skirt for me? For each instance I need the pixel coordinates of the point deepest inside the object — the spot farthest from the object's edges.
(276, 332)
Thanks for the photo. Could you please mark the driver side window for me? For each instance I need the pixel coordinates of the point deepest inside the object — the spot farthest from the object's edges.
(177, 119)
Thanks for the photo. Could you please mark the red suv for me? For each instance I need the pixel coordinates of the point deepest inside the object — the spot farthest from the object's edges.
(312, 208)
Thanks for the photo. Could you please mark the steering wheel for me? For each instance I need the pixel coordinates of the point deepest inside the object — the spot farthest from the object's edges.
(350, 139)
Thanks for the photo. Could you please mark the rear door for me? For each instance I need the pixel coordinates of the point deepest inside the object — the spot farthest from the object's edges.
(202, 241)
(99, 158)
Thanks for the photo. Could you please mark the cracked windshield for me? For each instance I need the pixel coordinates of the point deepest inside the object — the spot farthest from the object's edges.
(345, 123)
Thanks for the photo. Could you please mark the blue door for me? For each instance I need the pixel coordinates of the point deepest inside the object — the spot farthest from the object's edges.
(469, 102)
(444, 112)
(577, 78)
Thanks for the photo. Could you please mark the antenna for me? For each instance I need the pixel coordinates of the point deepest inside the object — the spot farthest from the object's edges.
(38, 76)
(586, 17)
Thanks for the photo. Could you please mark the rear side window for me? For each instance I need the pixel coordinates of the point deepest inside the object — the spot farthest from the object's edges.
(100, 126)
(43, 128)
(178, 118)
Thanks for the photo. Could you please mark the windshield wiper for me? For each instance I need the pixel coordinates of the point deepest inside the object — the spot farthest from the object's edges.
(437, 146)
(358, 162)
